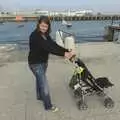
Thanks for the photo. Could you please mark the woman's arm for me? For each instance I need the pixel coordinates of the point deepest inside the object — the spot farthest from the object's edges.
(57, 46)
(52, 47)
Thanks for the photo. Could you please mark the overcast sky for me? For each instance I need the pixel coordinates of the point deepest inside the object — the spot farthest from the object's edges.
(95, 5)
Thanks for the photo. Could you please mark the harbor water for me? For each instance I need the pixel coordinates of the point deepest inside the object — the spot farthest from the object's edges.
(83, 31)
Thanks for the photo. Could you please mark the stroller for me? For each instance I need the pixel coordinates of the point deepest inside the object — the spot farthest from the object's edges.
(83, 83)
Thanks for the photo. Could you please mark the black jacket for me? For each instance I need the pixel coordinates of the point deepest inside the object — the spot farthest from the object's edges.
(39, 48)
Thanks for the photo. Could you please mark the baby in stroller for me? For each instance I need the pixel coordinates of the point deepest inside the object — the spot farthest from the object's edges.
(83, 83)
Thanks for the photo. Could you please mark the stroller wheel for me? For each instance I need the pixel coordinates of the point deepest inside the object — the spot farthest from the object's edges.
(108, 103)
(82, 105)
(78, 93)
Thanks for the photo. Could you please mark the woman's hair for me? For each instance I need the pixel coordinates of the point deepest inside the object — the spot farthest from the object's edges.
(46, 20)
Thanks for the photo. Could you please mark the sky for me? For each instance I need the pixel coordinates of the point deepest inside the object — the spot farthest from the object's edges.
(111, 6)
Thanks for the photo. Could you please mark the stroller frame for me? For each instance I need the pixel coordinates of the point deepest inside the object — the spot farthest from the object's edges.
(83, 83)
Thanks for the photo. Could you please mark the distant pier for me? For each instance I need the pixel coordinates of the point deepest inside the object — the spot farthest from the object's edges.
(78, 18)
(59, 18)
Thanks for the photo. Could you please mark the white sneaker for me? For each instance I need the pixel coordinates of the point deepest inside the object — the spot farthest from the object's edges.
(54, 109)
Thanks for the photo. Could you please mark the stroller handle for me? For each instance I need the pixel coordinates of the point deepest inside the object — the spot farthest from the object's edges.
(72, 59)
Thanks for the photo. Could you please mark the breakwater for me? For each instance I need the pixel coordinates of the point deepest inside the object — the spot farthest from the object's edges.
(59, 18)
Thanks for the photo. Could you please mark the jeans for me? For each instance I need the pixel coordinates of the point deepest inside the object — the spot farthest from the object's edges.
(42, 88)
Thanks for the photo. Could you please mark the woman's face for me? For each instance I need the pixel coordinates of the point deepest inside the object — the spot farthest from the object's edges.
(43, 27)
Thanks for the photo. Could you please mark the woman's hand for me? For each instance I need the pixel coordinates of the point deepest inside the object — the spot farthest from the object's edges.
(68, 55)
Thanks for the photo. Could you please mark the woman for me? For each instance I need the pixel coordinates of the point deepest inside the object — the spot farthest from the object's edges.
(41, 44)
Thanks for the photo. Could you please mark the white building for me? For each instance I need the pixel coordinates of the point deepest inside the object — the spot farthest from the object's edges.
(83, 12)
(22, 13)
(71, 13)
(42, 12)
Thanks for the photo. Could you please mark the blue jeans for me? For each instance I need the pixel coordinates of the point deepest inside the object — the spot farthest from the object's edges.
(42, 88)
